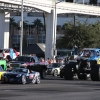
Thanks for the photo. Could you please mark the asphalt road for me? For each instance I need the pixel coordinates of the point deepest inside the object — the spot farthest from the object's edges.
(52, 88)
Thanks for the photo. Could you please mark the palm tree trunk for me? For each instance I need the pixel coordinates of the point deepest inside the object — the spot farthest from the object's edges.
(44, 15)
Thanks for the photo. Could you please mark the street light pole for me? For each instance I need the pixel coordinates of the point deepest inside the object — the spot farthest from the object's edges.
(55, 24)
(21, 34)
(55, 21)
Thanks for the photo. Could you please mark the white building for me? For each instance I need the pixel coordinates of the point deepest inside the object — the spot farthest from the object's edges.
(31, 16)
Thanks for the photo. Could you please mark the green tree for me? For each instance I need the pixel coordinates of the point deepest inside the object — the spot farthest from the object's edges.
(25, 27)
(37, 24)
(12, 26)
(44, 15)
(82, 35)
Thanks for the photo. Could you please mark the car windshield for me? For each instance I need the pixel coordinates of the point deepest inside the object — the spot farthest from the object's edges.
(36, 59)
(22, 70)
(1, 69)
(54, 65)
(88, 53)
(22, 58)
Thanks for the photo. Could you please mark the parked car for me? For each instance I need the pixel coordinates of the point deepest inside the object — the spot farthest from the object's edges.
(9, 53)
(22, 61)
(21, 75)
(54, 69)
(1, 72)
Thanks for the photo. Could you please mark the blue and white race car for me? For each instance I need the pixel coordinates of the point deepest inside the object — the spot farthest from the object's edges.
(21, 75)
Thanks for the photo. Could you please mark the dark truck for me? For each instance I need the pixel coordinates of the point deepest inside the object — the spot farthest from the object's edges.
(29, 62)
(87, 64)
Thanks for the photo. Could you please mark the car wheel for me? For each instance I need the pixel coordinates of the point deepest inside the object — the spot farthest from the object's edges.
(37, 79)
(55, 73)
(61, 75)
(82, 76)
(95, 73)
(68, 74)
(34, 80)
(2, 81)
(23, 79)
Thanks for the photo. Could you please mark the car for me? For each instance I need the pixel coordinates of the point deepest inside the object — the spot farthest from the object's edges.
(29, 62)
(1, 72)
(21, 75)
(54, 69)
(9, 53)
(22, 61)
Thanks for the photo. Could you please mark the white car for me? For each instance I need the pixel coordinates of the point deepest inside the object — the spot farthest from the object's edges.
(54, 69)
(9, 52)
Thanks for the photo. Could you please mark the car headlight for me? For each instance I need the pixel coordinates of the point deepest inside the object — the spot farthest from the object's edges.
(19, 75)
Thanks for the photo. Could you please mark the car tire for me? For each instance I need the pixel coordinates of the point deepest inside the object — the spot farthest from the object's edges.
(82, 76)
(68, 74)
(3, 82)
(95, 73)
(34, 80)
(23, 79)
(37, 79)
(61, 75)
(55, 73)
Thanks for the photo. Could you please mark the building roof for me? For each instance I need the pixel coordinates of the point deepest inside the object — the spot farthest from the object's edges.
(37, 48)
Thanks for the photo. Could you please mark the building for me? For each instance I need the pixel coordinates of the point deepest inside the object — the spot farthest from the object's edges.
(30, 32)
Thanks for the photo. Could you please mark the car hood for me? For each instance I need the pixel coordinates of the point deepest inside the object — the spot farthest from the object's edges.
(12, 73)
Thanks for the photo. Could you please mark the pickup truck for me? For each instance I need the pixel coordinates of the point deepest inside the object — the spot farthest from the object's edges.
(29, 62)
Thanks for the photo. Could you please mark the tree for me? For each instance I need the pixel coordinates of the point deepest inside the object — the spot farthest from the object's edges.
(81, 35)
(37, 24)
(12, 25)
(44, 15)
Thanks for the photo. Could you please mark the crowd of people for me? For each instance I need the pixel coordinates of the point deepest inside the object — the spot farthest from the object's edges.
(49, 61)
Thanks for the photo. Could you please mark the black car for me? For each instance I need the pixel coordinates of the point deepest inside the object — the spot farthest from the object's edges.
(21, 75)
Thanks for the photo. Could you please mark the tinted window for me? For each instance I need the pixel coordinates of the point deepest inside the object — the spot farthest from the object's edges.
(1, 68)
(88, 53)
(36, 59)
(24, 59)
(54, 65)
(20, 70)
(1, 51)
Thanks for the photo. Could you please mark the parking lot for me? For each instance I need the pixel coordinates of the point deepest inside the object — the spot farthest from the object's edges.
(52, 88)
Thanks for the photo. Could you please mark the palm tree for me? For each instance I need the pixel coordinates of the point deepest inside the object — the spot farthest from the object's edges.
(12, 25)
(44, 15)
(37, 24)
(25, 27)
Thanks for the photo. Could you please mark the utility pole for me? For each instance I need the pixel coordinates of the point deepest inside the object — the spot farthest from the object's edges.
(21, 34)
